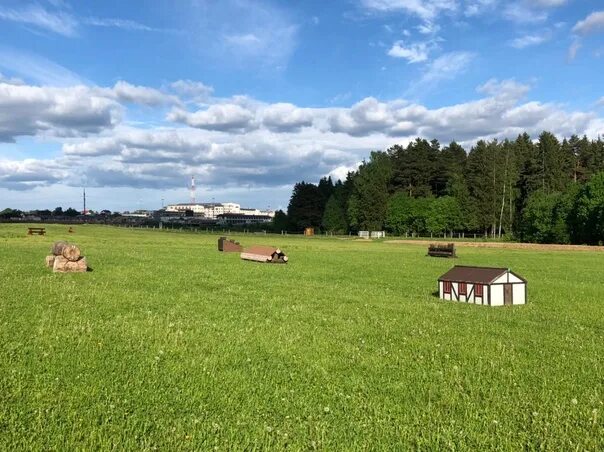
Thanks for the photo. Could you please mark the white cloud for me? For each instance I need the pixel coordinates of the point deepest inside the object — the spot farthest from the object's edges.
(446, 67)
(574, 49)
(477, 7)
(192, 90)
(523, 13)
(500, 114)
(124, 24)
(220, 117)
(282, 143)
(126, 92)
(284, 117)
(413, 53)
(37, 69)
(10, 80)
(594, 23)
(530, 40)
(243, 34)
(272, 45)
(428, 28)
(425, 9)
(340, 172)
(520, 11)
(547, 3)
(62, 22)
(363, 118)
(56, 22)
(504, 89)
(74, 111)
(30, 173)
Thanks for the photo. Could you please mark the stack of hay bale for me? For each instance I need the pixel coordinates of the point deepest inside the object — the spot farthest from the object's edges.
(66, 257)
(260, 253)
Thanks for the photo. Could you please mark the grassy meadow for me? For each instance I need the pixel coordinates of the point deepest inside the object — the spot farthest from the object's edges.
(170, 345)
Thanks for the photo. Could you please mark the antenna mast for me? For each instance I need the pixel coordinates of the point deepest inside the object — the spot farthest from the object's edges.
(84, 197)
(192, 190)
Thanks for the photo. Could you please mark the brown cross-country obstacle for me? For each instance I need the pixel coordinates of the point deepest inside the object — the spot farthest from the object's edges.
(66, 258)
(229, 246)
(261, 253)
(440, 250)
(38, 231)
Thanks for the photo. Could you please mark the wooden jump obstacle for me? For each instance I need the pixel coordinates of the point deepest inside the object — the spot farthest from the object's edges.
(267, 254)
(229, 246)
(66, 258)
(439, 250)
(37, 231)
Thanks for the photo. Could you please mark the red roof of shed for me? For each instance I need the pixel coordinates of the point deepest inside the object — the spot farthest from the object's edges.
(479, 275)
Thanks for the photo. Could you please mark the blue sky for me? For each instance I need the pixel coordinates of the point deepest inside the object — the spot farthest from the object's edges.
(132, 98)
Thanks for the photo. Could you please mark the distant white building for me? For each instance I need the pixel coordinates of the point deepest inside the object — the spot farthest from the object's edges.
(232, 219)
(211, 210)
(138, 214)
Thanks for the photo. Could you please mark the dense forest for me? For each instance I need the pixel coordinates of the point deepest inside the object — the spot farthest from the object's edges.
(546, 191)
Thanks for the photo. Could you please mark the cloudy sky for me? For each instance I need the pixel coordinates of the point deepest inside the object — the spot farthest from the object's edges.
(132, 98)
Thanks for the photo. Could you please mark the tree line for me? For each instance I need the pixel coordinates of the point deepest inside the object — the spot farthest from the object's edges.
(43, 213)
(546, 191)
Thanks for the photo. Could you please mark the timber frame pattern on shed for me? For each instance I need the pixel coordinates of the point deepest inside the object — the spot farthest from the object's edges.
(482, 285)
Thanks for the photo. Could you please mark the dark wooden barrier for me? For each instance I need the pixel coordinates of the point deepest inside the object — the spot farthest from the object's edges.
(38, 231)
(229, 246)
(438, 250)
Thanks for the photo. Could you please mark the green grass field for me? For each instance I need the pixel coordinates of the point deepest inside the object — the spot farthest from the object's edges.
(171, 345)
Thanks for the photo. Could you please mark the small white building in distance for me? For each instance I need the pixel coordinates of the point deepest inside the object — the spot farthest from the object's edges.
(482, 285)
(211, 210)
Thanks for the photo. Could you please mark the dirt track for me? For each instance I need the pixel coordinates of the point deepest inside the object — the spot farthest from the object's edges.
(506, 245)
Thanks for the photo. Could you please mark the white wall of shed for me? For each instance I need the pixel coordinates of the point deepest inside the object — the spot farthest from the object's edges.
(514, 278)
(497, 295)
(519, 293)
(502, 279)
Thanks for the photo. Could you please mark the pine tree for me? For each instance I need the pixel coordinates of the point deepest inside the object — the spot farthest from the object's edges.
(334, 217)
(370, 195)
(587, 215)
(305, 207)
(280, 221)
(483, 181)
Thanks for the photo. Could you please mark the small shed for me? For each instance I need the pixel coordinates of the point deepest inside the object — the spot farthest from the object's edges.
(482, 285)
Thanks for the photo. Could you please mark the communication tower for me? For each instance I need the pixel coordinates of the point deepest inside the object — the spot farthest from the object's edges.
(192, 190)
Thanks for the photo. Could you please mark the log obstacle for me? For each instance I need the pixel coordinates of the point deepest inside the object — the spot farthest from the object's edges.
(267, 254)
(439, 250)
(66, 257)
(229, 246)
